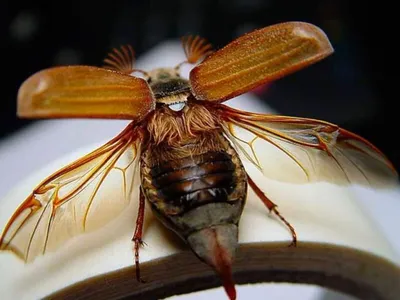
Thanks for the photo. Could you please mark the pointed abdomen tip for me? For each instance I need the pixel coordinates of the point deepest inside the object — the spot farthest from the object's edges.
(216, 246)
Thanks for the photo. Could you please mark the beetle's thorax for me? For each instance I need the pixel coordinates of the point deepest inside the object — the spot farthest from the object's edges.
(168, 86)
(179, 128)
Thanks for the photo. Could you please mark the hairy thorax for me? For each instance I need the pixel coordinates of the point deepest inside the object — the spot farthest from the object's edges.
(177, 134)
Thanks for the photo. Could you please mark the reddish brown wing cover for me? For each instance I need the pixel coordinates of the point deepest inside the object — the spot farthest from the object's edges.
(258, 57)
(84, 92)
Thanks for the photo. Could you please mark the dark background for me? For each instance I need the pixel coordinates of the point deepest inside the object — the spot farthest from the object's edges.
(352, 88)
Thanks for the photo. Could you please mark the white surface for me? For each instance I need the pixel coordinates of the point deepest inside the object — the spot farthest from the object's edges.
(42, 143)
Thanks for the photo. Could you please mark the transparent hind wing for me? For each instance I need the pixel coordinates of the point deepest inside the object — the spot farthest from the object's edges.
(301, 150)
(81, 197)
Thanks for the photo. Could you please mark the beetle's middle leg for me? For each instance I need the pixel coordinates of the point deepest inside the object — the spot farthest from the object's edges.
(137, 237)
(273, 208)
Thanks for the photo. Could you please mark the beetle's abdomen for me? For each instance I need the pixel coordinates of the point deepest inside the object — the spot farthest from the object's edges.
(199, 184)
(196, 180)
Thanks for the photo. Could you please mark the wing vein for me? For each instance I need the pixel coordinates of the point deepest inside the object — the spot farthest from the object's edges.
(106, 172)
(249, 128)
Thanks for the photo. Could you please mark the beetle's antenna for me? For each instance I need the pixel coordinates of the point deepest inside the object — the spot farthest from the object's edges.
(121, 60)
(196, 48)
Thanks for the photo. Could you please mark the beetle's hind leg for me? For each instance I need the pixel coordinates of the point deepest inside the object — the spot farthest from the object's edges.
(272, 208)
(137, 237)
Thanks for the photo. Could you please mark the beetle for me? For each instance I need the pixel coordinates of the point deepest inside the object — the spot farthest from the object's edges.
(186, 146)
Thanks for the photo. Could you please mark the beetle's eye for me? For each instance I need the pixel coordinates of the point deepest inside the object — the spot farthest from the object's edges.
(177, 106)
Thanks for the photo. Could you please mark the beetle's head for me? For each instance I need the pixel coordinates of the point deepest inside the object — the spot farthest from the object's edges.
(169, 87)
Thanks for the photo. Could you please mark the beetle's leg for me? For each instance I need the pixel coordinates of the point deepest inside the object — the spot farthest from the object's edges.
(272, 208)
(137, 237)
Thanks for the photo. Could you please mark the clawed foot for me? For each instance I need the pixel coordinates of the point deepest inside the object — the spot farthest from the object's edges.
(293, 243)
(138, 242)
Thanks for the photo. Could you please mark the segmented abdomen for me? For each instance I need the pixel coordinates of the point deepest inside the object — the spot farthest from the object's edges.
(194, 181)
